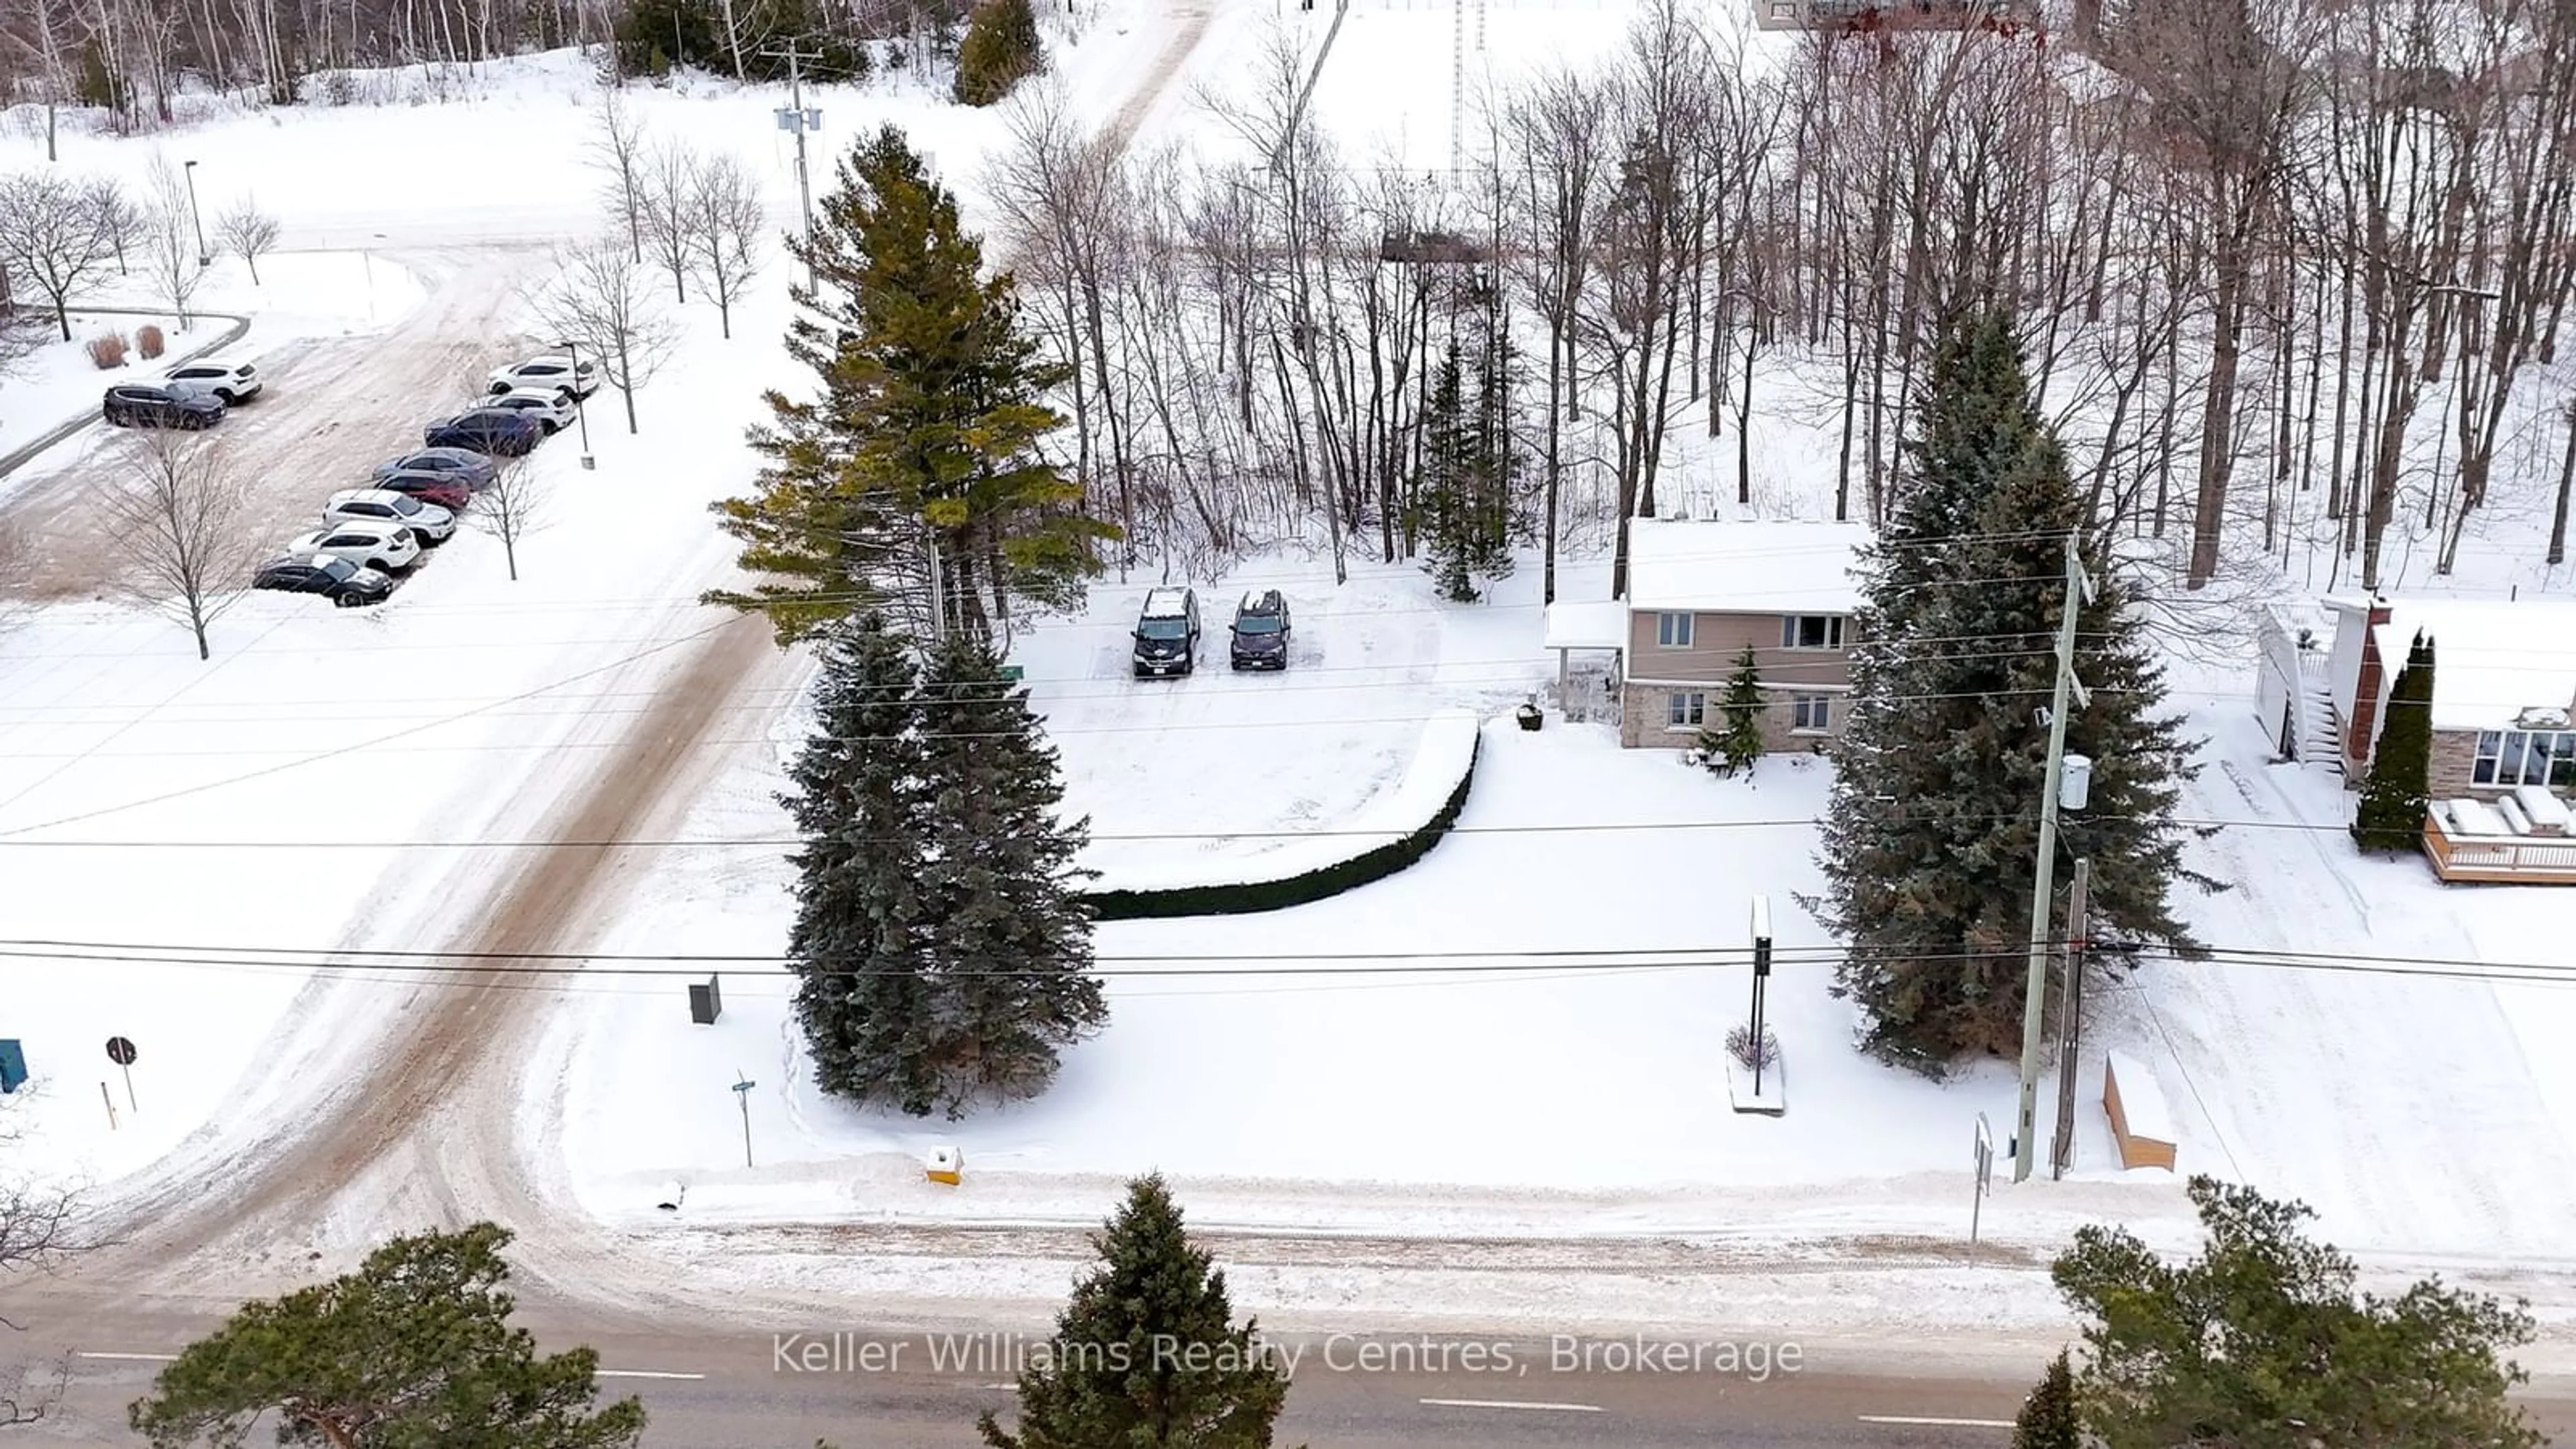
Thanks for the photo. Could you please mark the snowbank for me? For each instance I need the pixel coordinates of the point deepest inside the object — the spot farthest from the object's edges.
(1386, 835)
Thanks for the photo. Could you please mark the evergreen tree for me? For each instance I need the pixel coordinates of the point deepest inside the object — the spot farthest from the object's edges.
(1930, 842)
(859, 946)
(2390, 816)
(1009, 937)
(1463, 484)
(1150, 1356)
(920, 456)
(412, 1351)
(1000, 50)
(2263, 1341)
(2048, 1419)
(1733, 741)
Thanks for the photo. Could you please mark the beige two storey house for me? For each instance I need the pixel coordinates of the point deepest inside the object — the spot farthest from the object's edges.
(1700, 593)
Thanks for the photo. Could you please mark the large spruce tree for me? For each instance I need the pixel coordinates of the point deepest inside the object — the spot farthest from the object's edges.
(915, 475)
(2264, 1340)
(2390, 816)
(1010, 937)
(413, 1350)
(1932, 836)
(1149, 1357)
(1463, 481)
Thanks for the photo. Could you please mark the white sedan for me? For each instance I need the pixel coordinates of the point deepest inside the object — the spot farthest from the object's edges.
(551, 373)
(367, 542)
(383, 505)
(553, 410)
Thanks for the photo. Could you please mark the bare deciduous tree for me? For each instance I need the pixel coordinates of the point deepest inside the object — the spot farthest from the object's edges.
(668, 182)
(247, 231)
(181, 507)
(52, 238)
(118, 217)
(169, 251)
(617, 151)
(510, 507)
(35, 1233)
(601, 298)
(725, 222)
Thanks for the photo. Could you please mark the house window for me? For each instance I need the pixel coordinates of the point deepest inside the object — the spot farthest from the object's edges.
(1673, 631)
(1811, 631)
(2507, 758)
(1811, 714)
(1685, 711)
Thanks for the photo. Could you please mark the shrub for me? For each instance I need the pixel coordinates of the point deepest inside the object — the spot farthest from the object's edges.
(1000, 50)
(1739, 1045)
(147, 340)
(107, 349)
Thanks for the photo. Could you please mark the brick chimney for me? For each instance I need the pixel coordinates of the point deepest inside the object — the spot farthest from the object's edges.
(2360, 734)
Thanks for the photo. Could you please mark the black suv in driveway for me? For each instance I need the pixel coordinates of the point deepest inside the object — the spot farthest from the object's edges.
(139, 405)
(1167, 633)
(1261, 631)
(495, 432)
(342, 582)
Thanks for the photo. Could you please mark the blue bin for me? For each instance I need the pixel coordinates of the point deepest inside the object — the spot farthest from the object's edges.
(13, 1064)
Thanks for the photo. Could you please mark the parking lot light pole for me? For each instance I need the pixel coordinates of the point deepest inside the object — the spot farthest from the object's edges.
(204, 257)
(572, 349)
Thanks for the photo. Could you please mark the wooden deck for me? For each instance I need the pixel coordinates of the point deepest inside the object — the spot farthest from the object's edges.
(2495, 860)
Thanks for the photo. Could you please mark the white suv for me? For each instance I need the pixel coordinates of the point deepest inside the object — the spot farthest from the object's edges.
(548, 374)
(367, 542)
(230, 382)
(554, 410)
(383, 505)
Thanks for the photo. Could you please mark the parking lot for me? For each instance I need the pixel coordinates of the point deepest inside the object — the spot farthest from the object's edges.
(328, 411)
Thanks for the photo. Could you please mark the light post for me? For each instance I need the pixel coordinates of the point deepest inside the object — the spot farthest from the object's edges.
(572, 349)
(204, 257)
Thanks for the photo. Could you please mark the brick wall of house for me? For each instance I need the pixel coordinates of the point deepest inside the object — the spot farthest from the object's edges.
(1644, 710)
(2454, 756)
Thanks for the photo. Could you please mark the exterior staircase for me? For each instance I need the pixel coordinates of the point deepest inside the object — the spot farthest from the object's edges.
(2314, 721)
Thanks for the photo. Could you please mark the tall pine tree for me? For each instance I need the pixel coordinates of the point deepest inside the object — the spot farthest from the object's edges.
(1009, 936)
(1733, 740)
(860, 944)
(1150, 1356)
(1930, 844)
(916, 474)
(2390, 816)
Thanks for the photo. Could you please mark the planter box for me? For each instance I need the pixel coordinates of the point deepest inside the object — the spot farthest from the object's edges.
(1772, 1100)
(1530, 719)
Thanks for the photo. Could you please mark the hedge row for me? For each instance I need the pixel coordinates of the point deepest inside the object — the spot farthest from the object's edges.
(1243, 898)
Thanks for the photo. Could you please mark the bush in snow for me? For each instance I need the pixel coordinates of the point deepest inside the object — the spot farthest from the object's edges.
(1000, 50)
(1733, 741)
(107, 349)
(1741, 1046)
(2048, 1419)
(147, 340)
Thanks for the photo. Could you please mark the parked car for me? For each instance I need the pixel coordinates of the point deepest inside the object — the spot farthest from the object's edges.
(1260, 631)
(367, 542)
(144, 405)
(342, 582)
(494, 431)
(439, 488)
(227, 382)
(1167, 633)
(471, 468)
(433, 523)
(551, 373)
(552, 410)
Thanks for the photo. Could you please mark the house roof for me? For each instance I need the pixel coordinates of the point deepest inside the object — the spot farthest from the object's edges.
(1744, 568)
(2492, 658)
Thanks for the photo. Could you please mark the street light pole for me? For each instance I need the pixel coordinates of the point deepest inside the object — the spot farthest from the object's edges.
(2079, 588)
(204, 258)
(580, 408)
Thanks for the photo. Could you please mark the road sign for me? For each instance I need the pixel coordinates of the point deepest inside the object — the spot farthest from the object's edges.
(1985, 1175)
(120, 1051)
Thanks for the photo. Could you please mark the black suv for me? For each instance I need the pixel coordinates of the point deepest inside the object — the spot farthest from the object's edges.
(1261, 630)
(342, 582)
(138, 405)
(1167, 633)
(494, 432)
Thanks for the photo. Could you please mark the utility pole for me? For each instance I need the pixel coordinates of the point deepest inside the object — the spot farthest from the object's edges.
(2070, 1020)
(798, 119)
(2079, 591)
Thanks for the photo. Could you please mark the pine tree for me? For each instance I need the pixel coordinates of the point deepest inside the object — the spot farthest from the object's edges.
(860, 944)
(921, 452)
(1000, 50)
(2048, 1418)
(1150, 1358)
(1463, 485)
(2264, 1339)
(2390, 816)
(1929, 844)
(1733, 741)
(1008, 935)
(414, 1349)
